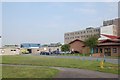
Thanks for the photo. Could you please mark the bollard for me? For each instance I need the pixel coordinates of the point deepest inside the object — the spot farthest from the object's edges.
(101, 64)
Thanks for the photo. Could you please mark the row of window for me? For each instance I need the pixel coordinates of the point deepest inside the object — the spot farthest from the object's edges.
(85, 36)
(106, 23)
(13, 50)
(106, 50)
(83, 32)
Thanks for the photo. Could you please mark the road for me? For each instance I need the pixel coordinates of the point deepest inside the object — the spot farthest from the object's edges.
(114, 61)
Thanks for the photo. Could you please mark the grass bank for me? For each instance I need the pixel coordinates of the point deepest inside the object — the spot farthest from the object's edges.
(27, 72)
(60, 62)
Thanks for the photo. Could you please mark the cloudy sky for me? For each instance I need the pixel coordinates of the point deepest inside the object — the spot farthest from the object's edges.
(46, 22)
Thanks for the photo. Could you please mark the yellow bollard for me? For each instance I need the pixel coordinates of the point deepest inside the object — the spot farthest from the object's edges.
(101, 64)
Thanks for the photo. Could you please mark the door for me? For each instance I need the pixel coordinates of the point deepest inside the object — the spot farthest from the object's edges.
(29, 50)
(107, 51)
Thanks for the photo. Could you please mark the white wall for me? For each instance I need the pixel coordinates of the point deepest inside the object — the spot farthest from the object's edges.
(108, 30)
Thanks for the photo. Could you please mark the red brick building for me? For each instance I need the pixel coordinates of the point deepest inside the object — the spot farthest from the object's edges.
(108, 47)
(78, 46)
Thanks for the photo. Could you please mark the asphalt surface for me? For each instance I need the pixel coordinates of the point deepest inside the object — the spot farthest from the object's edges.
(73, 72)
(114, 61)
(82, 73)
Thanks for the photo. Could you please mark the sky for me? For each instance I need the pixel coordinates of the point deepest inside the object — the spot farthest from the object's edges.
(46, 22)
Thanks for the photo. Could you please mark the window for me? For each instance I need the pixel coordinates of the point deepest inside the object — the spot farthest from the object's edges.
(114, 50)
(96, 50)
(100, 50)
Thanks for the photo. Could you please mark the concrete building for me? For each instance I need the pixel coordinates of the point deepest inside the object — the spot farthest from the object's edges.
(114, 24)
(30, 47)
(110, 27)
(45, 49)
(37, 48)
(10, 50)
(81, 34)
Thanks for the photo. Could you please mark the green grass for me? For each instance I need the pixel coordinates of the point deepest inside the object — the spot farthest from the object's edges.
(60, 62)
(27, 72)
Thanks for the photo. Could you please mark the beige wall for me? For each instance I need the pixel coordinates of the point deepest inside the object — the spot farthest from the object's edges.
(81, 35)
(45, 49)
(10, 51)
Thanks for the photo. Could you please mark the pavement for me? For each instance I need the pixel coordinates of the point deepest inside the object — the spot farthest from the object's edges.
(82, 73)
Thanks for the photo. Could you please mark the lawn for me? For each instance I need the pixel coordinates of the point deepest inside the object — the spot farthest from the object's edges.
(27, 72)
(60, 62)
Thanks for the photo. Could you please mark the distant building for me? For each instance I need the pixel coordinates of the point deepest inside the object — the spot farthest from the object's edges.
(110, 27)
(52, 45)
(114, 22)
(10, 50)
(11, 46)
(81, 34)
(79, 46)
(37, 48)
(30, 45)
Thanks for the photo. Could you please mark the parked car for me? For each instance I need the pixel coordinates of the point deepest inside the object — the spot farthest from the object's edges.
(44, 53)
(55, 52)
(65, 52)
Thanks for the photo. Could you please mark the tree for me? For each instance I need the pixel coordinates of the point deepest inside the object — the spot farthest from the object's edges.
(65, 47)
(91, 43)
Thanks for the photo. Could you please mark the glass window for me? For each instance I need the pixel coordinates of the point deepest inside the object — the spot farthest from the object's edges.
(114, 50)
(100, 50)
(96, 50)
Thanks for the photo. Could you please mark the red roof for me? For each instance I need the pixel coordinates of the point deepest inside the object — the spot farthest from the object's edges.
(76, 40)
(110, 40)
(111, 36)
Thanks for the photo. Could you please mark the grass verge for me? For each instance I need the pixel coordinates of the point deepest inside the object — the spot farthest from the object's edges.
(27, 72)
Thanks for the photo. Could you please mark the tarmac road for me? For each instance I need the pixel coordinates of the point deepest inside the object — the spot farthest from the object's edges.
(114, 61)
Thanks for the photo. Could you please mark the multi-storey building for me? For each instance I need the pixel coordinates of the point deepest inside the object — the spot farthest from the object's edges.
(81, 34)
(116, 25)
(110, 27)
